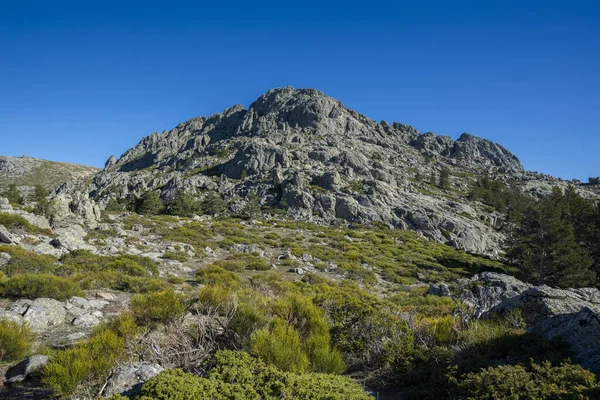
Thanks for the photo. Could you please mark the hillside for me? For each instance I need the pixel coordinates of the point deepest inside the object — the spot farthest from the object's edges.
(298, 250)
(27, 172)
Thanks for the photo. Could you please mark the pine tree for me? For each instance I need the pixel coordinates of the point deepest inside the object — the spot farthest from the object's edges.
(213, 204)
(183, 205)
(40, 196)
(252, 206)
(545, 247)
(149, 203)
(444, 181)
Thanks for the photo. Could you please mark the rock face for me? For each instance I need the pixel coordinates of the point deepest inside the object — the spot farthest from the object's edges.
(303, 151)
(572, 314)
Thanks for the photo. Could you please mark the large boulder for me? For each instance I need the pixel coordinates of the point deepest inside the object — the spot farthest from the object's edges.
(44, 313)
(571, 314)
(6, 237)
(127, 380)
(73, 209)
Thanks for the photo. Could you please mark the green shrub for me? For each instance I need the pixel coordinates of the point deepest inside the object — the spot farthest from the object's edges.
(23, 261)
(160, 307)
(538, 381)
(215, 275)
(124, 272)
(236, 375)
(32, 286)
(90, 360)
(213, 204)
(216, 298)
(240, 262)
(13, 194)
(280, 345)
(16, 340)
(175, 255)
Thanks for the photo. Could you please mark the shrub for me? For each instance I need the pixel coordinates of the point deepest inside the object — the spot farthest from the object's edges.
(241, 262)
(33, 286)
(175, 255)
(216, 298)
(90, 360)
(236, 375)
(16, 340)
(13, 194)
(215, 275)
(23, 261)
(160, 307)
(280, 345)
(538, 381)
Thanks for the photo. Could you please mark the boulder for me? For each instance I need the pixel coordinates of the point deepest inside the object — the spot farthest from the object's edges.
(127, 380)
(5, 204)
(44, 313)
(571, 314)
(6, 237)
(25, 369)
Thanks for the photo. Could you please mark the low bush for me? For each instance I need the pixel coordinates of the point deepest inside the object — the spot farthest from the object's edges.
(215, 275)
(88, 361)
(23, 261)
(236, 375)
(16, 340)
(537, 381)
(159, 307)
(281, 346)
(32, 286)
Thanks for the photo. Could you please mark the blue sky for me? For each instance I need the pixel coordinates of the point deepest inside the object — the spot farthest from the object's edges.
(81, 80)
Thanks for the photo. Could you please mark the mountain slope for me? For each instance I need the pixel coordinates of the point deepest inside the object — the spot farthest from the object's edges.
(305, 152)
(27, 172)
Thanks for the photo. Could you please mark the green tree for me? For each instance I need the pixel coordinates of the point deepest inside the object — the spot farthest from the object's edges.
(40, 196)
(183, 205)
(444, 181)
(252, 206)
(213, 204)
(13, 194)
(149, 203)
(545, 247)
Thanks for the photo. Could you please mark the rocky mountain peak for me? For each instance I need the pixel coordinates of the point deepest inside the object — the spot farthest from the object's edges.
(305, 151)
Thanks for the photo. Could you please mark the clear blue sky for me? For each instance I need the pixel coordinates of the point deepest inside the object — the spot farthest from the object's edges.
(81, 80)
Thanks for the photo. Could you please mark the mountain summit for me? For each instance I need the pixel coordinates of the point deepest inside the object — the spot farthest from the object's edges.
(305, 152)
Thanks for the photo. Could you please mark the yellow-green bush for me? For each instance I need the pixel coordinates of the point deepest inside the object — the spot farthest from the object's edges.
(16, 340)
(14, 221)
(215, 275)
(88, 361)
(235, 375)
(127, 272)
(160, 307)
(240, 262)
(281, 346)
(32, 286)
(23, 261)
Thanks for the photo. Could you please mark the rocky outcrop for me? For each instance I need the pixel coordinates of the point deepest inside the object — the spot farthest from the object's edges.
(303, 151)
(46, 314)
(571, 314)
